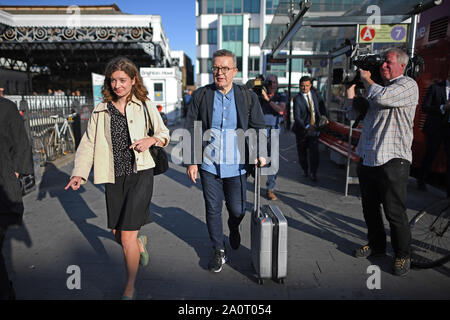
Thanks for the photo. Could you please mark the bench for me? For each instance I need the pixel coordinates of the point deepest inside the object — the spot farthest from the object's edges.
(338, 137)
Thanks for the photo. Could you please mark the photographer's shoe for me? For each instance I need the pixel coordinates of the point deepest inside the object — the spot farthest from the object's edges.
(402, 266)
(219, 259)
(366, 251)
(271, 196)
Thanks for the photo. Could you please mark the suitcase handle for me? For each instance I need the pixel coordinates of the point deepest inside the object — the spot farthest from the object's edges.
(257, 201)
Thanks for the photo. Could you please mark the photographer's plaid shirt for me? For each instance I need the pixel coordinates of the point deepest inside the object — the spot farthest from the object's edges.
(388, 126)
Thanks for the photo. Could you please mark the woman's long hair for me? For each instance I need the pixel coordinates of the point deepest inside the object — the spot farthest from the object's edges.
(127, 66)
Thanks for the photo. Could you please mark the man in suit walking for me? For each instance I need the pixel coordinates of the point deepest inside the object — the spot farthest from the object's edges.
(223, 108)
(308, 108)
(437, 129)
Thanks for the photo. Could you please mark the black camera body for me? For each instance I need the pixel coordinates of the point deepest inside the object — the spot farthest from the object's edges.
(368, 62)
(259, 85)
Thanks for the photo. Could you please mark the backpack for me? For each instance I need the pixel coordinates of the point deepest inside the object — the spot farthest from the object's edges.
(244, 90)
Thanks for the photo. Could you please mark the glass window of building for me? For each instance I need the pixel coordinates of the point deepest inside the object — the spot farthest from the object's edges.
(232, 37)
(271, 6)
(220, 6)
(252, 6)
(211, 6)
(228, 6)
(205, 65)
(253, 67)
(212, 36)
(237, 6)
(253, 35)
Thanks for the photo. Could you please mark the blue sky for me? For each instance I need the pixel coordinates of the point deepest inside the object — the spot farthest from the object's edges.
(178, 16)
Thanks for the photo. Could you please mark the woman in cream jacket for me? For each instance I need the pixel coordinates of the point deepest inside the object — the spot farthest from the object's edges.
(116, 144)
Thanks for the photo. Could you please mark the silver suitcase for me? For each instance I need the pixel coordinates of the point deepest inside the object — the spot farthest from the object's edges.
(268, 239)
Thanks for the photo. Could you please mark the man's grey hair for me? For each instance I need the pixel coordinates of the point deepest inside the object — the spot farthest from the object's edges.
(402, 57)
(226, 53)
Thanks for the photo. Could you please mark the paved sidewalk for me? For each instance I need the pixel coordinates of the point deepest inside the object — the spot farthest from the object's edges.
(64, 228)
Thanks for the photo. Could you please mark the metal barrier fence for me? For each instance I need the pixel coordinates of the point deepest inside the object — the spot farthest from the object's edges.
(38, 109)
(41, 113)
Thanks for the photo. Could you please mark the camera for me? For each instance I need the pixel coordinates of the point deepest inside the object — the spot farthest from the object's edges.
(258, 85)
(370, 62)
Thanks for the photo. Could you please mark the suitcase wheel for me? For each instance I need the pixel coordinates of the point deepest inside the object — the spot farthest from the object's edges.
(280, 281)
(260, 281)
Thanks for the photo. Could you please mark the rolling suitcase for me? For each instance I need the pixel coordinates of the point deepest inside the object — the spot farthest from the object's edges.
(268, 239)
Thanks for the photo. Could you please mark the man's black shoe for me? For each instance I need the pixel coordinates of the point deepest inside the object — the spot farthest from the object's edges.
(402, 266)
(366, 251)
(235, 239)
(219, 259)
(305, 174)
(313, 177)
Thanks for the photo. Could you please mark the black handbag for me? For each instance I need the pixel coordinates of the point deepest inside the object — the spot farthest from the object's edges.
(158, 154)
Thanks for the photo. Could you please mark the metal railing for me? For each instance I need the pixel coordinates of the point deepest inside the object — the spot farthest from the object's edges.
(38, 109)
(40, 113)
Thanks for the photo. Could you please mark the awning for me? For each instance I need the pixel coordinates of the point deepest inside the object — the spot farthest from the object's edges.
(320, 27)
(76, 45)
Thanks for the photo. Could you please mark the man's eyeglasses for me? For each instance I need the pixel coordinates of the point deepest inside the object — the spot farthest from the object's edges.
(220, 69)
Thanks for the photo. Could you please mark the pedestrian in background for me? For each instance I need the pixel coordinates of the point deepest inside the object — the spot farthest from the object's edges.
(385, 158)
(15, 159)
(308, 108)
(116, 143)
(437, 129)
(273, 105)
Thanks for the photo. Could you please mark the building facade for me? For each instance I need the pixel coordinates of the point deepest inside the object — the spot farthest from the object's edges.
(239, 26)
(242, 25)
(60, 46)
(180, 59)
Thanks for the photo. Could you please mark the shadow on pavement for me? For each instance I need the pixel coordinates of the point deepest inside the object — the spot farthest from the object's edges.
(74, 206)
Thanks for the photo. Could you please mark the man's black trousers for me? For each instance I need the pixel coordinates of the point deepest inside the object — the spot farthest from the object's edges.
(433, 145)
(386, 185)
(308, 152)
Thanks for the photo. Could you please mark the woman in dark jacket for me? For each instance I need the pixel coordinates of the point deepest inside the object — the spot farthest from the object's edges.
(15, 159)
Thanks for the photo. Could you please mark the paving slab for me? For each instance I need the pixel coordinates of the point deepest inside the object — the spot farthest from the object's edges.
(66, 228)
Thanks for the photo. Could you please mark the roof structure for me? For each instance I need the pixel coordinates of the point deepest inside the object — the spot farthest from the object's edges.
(47, 9)
(77, 40)
(319, 27)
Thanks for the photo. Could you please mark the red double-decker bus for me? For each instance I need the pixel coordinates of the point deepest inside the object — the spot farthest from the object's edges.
(433, 45)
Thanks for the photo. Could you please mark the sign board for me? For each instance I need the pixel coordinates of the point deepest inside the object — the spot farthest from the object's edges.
(164, 88)
(278, 61)
(383, 33)
(97, 84)
(160, 73)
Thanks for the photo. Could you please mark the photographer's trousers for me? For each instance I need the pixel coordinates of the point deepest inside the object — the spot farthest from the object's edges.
(386, 185)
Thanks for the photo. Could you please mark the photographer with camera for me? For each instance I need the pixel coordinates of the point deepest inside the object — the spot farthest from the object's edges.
(385, 151)
(273, 105)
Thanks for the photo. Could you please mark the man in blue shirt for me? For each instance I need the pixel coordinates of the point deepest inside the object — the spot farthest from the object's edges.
(222, 108)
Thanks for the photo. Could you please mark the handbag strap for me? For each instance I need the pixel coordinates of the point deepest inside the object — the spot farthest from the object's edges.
(148, 119)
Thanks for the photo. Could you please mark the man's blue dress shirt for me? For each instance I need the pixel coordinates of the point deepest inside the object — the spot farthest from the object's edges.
(221, 156)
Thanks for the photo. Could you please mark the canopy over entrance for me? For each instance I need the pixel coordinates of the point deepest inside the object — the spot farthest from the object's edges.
(320, 27)
(69, 43)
